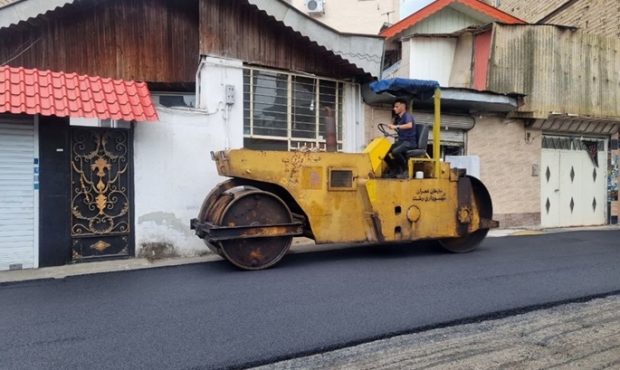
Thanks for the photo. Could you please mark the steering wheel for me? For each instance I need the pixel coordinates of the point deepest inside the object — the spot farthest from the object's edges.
(383, 128)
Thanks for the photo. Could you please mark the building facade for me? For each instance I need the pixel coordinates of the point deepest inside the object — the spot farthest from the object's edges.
(549, 160)
(243, 73)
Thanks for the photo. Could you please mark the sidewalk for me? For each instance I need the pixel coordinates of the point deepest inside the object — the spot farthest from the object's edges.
(300, 245)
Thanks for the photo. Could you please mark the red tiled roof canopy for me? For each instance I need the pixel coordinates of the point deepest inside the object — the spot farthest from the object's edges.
(62, 94)
(438, 5)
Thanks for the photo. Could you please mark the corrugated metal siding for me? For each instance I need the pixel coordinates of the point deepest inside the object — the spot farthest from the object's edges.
(446, 21)
(559, 70)
(16, 194)
(454, 122)
(431, 59)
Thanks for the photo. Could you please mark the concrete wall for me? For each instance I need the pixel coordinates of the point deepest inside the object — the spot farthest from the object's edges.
(509, 167)
(173, 167)
(355, 16)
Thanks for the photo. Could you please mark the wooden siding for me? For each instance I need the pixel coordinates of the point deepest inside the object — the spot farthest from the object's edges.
(146, 40)
(235, 29)
(560, 70)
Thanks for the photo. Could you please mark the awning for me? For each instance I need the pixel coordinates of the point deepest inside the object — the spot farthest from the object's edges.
(456, 99)
(422, 89)
(60, 94)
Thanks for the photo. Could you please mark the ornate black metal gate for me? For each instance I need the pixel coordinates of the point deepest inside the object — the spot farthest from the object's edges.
(101, 191)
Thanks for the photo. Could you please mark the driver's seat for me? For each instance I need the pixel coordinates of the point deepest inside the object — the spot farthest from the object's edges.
(422, 135)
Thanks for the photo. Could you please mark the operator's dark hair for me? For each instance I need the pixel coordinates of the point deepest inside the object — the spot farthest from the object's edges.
(403, 101)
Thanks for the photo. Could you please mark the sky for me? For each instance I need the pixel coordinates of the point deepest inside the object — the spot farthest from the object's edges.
(410, 6)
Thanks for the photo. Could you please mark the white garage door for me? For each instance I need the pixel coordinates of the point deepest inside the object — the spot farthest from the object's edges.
(573, 187)
(17, 194)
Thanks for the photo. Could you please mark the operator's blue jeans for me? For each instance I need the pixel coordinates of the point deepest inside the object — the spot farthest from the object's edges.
(397, 152)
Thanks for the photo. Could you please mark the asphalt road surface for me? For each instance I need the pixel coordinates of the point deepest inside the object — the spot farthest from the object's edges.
(213, 316)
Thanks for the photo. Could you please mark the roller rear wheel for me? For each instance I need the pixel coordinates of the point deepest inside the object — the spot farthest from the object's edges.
(469, 242)
(465, 243)
(253, 207)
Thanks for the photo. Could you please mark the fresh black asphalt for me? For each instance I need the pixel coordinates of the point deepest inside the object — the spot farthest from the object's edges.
(212, 315)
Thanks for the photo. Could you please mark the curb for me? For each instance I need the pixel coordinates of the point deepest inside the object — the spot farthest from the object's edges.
(300, 245)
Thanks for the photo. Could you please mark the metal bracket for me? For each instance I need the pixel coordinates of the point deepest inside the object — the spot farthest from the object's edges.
(216, 233)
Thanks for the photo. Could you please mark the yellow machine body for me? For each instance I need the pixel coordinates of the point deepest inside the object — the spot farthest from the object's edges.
(345, 199)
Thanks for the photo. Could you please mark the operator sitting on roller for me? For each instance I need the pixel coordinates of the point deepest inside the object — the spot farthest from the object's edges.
(404, 125)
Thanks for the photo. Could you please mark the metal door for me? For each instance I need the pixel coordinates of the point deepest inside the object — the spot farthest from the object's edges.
(18, 193)
(101, 191)
(550, 188)
(573, 186)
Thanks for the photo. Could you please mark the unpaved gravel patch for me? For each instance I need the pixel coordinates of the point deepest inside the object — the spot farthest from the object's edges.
(573, 336)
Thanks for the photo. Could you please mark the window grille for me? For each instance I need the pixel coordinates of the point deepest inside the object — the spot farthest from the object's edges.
(570, 143)
(286, 111)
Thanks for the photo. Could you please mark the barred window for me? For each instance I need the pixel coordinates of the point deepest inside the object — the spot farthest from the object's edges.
(284, 111)
(571, 143)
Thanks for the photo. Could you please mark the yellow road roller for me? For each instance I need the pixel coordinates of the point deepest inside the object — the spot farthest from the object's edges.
(330, 197)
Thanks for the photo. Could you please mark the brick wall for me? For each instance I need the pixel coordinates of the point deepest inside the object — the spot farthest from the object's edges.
(528, 10)
(509, 167)
(595, 16)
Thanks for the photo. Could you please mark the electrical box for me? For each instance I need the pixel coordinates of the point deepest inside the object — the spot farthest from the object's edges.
(230, 94)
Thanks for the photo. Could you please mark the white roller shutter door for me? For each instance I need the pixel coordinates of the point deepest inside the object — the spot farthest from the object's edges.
(17, 194)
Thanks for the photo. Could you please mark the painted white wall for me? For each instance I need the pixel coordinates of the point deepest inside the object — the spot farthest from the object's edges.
(355, 16)
(173, 167)
(432, 58)
(212, 78)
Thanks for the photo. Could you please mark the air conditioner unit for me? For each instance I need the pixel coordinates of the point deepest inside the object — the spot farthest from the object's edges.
(315, 6)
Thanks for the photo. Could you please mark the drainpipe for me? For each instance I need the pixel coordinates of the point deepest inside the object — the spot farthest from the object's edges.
(198, 78)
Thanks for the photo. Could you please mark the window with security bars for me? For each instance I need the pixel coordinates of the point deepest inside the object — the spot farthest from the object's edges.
(284, 111)
(571, 143)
